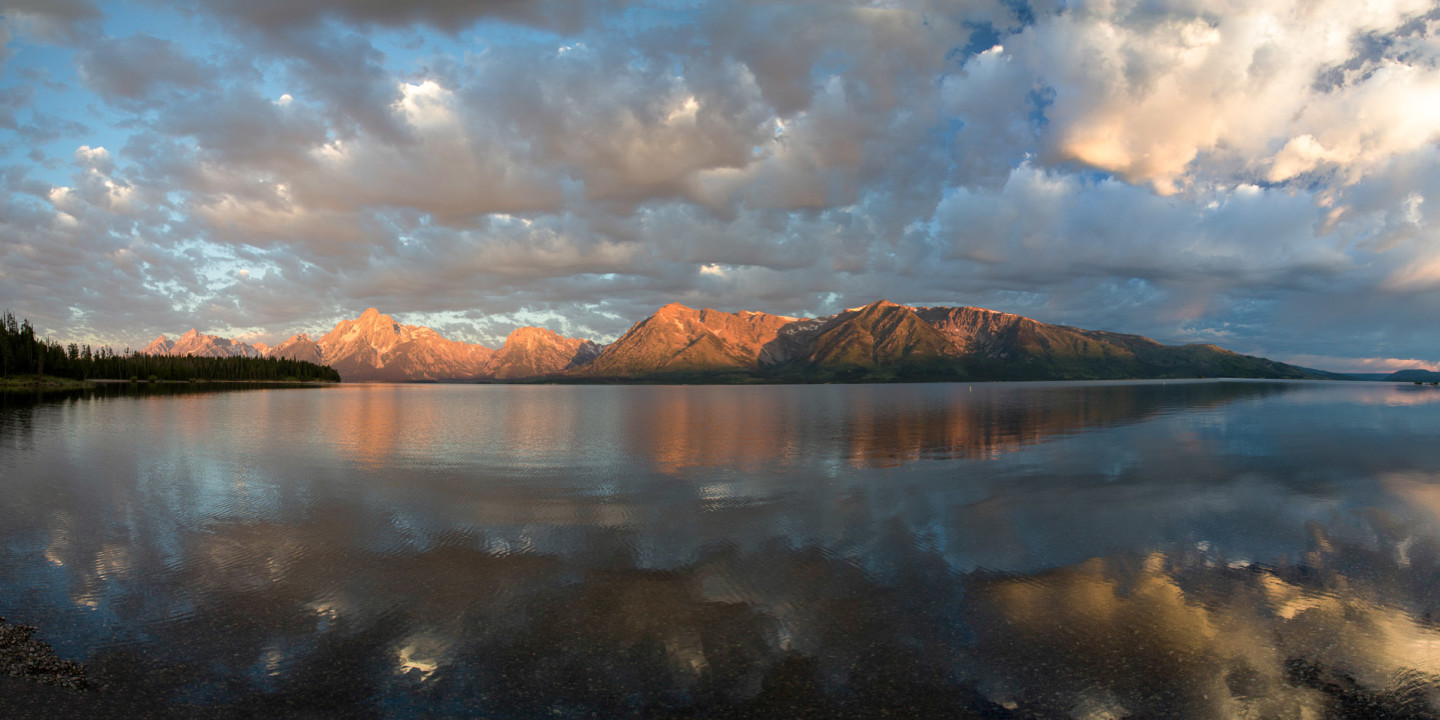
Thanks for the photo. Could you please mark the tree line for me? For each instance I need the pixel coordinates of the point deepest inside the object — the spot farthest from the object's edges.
(22, 353)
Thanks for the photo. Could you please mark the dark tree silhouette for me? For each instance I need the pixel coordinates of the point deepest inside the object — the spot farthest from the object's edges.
(21, 353)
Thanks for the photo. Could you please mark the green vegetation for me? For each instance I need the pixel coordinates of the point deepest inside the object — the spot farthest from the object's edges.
(41, 382)
(24, 355)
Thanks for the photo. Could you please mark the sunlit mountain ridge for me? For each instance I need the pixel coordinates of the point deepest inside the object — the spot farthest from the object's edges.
(879, 342)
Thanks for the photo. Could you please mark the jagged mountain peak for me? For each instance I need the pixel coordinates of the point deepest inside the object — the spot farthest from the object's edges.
(674, 308)
(679, 339)
(537, 351)
(374, 319)
(874, 306)
(159, 346)
(530, 335)
(374, 346)
(199, 344)
(880, 341)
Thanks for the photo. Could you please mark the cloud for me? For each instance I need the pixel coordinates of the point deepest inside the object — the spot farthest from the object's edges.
(443, 15)
(13, 99)
(51, 21)
(5, 36)
(1364, 364)
(1258, 174)
(1168, 93)
(134, 67)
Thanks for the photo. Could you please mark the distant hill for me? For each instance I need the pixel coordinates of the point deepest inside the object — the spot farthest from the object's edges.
(1414, 376)
(1369, 377)
(879, 342)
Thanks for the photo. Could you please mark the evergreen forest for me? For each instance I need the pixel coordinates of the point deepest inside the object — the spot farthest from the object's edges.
(22, 353)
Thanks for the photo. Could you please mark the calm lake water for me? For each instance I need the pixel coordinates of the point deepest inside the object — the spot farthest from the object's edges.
(1084, 550)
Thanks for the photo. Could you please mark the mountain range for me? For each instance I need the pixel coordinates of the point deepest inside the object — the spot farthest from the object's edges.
(879, 342)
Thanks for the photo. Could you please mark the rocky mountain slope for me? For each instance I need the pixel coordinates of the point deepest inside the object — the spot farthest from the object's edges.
(298, 347)
(373, 347)
(534, 352)
(884, 341)
(879, 342)
(376, 348)
(678, 340)
(200, 345)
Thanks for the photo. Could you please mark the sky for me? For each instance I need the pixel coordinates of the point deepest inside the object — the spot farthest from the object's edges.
(1259, 174)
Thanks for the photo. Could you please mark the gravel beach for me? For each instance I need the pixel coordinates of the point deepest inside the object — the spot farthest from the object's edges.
(23, 656)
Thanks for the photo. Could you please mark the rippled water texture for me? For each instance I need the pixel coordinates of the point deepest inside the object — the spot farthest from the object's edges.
(1099, 550)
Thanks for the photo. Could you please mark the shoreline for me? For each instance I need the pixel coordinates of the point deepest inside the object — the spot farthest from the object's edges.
(200, 381)
(44, 382)
(50, 383)
(24, 656)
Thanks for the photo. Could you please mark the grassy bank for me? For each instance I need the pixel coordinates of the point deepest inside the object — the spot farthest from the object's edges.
(42, 382)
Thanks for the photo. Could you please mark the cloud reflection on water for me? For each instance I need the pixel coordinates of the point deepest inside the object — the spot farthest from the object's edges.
(1212, 550)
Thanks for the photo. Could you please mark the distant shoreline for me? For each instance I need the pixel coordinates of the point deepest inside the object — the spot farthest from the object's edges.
(50, 382)
(43, 382)
(200, 381)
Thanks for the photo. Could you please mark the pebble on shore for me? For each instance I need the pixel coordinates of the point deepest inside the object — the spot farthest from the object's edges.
(23, 656)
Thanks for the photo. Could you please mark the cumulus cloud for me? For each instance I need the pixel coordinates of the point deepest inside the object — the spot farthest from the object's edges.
(5, 35)
(13, 99)
(51, 21)
(1258, 174)
(1165, 93)
(133, 67)
(444, 15)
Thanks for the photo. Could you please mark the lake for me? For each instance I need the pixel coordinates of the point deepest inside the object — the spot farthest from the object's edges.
(1199, 549)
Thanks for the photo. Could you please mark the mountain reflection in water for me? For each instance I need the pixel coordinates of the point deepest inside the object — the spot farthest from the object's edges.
(1105, 550)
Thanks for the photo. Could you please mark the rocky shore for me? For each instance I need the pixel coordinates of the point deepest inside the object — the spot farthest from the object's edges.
(23, 656)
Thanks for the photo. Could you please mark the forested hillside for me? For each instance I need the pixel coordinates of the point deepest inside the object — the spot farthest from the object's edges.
(22, 353)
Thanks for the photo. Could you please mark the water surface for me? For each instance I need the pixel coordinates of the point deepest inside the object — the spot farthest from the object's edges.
(1087, 550)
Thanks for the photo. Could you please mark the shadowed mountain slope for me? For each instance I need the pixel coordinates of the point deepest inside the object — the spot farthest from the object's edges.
(885, 341)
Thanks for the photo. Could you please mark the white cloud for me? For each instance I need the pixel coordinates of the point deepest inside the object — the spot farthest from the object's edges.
(1170, 93)
(1250, 171)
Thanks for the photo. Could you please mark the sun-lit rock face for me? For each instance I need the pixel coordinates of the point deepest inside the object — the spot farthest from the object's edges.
(534, 352)
(373, 347)
(972, 329)
(201, 345)
(298, 347)
(882, 341)
(881, 334)
(885, 341)
(678, 340)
